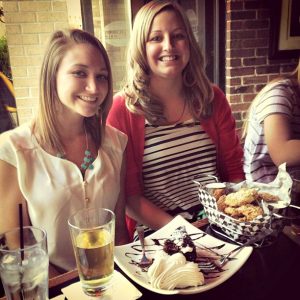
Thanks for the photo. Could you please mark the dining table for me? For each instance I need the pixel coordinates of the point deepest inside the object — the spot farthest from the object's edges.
(271, 272)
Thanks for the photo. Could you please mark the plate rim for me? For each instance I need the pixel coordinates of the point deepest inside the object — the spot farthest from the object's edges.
(176, 222)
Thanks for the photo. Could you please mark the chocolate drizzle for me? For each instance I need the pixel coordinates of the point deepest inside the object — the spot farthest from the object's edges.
(202, 261)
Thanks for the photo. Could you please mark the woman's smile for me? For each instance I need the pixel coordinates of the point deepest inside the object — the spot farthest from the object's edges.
(88, 99)
(168, 58)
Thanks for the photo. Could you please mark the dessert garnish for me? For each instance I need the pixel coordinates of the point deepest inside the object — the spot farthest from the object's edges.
(180, 241)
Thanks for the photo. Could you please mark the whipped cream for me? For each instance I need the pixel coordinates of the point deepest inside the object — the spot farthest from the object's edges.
(170, 272)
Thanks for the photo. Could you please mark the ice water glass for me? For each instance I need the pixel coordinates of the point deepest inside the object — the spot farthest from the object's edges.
(93, 234)
(24, 266)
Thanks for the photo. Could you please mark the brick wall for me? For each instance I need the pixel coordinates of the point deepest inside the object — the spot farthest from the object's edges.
(248, 67)
(28, 26)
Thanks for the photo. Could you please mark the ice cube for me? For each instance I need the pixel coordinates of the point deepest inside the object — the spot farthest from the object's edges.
(10, 260)
(34, 256)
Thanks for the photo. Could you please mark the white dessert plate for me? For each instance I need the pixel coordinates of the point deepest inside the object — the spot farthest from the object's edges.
(128, 256)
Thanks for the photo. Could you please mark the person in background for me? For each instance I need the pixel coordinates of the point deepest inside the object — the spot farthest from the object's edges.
(272, 129)
(179, 125)
(66, 158)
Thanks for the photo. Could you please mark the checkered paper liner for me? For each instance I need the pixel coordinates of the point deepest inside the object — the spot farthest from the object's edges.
(237, 230)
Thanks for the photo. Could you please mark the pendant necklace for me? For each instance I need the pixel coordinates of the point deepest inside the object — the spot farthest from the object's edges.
(180, 117)
(88, 158)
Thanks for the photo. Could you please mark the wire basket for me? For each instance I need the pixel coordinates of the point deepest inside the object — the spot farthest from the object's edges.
(267, 225)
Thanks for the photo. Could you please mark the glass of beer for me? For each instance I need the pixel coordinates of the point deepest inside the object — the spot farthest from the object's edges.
(93, 235)
(24, 263)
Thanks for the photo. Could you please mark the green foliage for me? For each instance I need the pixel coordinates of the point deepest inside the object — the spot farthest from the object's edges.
(4, 58)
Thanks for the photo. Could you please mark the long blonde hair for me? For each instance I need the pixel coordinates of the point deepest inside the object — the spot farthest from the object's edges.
(294, 76)
(197, 88)
(46, 120)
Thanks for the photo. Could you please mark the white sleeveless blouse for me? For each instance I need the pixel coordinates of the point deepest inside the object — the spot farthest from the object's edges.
(55, 189)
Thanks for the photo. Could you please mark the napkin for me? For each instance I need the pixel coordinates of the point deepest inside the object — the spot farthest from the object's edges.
(121, 288)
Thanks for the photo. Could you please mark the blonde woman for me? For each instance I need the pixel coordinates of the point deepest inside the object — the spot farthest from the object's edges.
(180, 126)
(66, 158)
(272, 129)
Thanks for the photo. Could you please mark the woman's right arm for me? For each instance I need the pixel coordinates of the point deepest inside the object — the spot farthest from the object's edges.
(147, 213)
(11, 196)
(137, 206)
(282, 148)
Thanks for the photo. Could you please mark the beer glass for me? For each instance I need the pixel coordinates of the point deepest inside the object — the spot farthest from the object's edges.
(24, 263)
(93, 234)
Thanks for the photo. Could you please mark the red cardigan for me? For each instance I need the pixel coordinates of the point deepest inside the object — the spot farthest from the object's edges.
(220, 127)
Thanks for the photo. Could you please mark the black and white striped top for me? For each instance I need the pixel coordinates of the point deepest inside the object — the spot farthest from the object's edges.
(174, 155)
(282, 97)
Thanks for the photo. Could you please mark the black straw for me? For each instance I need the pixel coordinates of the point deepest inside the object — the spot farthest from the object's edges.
(21, 230)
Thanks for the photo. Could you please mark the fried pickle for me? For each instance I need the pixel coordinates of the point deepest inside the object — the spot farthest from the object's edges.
(267, 197)
(246, 212)
(242, 197)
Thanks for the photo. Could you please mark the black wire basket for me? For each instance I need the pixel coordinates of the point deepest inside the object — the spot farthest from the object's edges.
(267, 226)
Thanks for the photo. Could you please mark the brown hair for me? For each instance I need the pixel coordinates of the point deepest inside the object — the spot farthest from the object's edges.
(46, 119)
(196, 86)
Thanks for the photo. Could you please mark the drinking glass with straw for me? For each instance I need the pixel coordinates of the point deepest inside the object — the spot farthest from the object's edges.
(24, 262)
